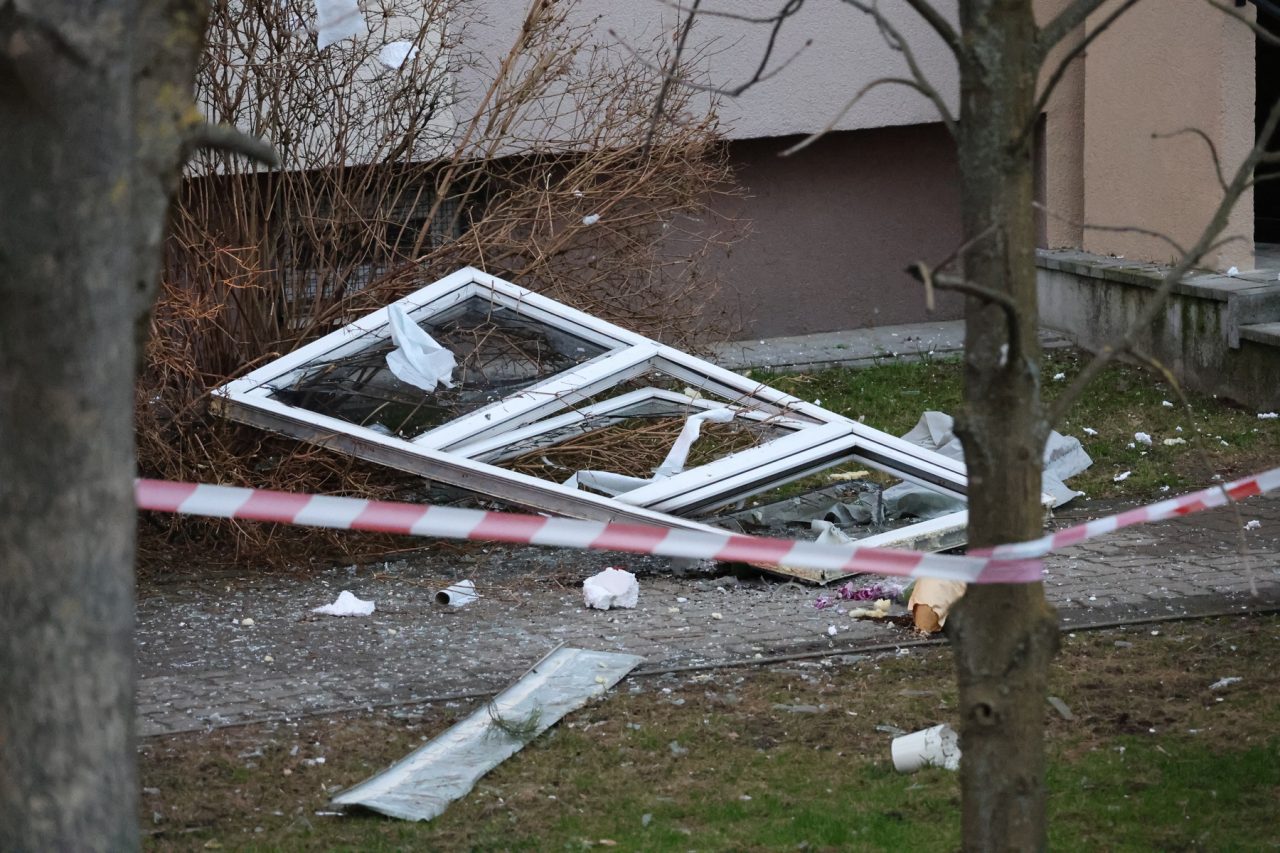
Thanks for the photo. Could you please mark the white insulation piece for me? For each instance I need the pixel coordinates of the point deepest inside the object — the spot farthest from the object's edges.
(421, 786)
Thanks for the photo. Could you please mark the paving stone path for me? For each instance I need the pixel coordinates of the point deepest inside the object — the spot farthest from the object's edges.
(232, 649)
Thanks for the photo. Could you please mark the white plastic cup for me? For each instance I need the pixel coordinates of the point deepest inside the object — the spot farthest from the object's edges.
(461, 593)
(938, 747)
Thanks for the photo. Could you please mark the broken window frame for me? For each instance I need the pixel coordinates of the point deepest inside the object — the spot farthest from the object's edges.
(816, 438)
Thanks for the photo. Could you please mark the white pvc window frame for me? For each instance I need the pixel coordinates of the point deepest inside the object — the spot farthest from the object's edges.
(462, 452)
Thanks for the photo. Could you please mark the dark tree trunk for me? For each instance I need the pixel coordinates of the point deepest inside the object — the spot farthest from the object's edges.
(1004, 635)
(89, 137)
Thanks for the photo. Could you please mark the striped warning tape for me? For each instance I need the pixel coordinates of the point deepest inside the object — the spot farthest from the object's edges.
(1016, 563)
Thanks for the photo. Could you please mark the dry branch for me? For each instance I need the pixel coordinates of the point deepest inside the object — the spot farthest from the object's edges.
(381, 191)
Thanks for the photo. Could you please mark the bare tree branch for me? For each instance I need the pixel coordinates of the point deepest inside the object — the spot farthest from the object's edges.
(947, 119)
(1260, 31)
(1068, 19)
(224, 137)
(759, 76)
(925, 274)
(1213, 150)
(931, 279)
(940, 25)
(669, 78)
(1065, 64)
(1239, 183)
(1116, 229)
(893, 38)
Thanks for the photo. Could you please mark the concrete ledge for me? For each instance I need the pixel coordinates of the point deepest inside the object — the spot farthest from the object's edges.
(1263, 333)
(853, 348)
(1213, 331)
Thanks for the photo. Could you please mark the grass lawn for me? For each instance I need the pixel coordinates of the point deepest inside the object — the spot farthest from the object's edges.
(796, 756)
(1220, 438)
(781, 758)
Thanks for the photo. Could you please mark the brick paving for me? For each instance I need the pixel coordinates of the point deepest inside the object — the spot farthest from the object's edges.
(202, 666)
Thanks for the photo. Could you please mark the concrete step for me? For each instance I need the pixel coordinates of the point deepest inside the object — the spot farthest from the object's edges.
(1262, 333)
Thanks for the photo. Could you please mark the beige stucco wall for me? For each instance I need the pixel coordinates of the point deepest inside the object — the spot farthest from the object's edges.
(1161, 68)
(1063, 141)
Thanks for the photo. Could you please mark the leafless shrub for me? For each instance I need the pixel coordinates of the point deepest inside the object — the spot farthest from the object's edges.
(548, 183)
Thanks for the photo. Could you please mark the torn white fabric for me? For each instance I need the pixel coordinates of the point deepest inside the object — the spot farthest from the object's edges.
(1064, 457)
(397, 53)
(337, 20)
(346, 605)
(616, 484)
(678, 455)
(611, 588)
(417, 359)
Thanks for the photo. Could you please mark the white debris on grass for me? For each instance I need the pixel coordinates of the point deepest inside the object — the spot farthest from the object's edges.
(1173, 442)
(1090, 431)
(1223, 683)
(346, 605)
(1123, 475)
(611, 588)
(1142, 438)
(1253, 524)
(1166, 404)
(591, 219)
(1058, 377)
(1268, 416)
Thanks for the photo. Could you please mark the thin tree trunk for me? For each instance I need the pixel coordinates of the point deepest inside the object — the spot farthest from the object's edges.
(82, 223)
(1005, 635)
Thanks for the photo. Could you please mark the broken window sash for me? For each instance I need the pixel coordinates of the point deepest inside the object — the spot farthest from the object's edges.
(534, 373)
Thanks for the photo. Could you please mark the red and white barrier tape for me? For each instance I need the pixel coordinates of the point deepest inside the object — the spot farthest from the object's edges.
(1016, 563)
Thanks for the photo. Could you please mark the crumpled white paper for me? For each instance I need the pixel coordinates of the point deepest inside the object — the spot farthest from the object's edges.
(611, 588)
(417, 359)
(397, 53)
(346, 605)
(337, 20)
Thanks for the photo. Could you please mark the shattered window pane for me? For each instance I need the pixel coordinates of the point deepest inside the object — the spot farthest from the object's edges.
(498, 352)
(632, 443)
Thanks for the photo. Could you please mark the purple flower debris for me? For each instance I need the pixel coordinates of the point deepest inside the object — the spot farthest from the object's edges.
(822, 602)
(871, 592)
